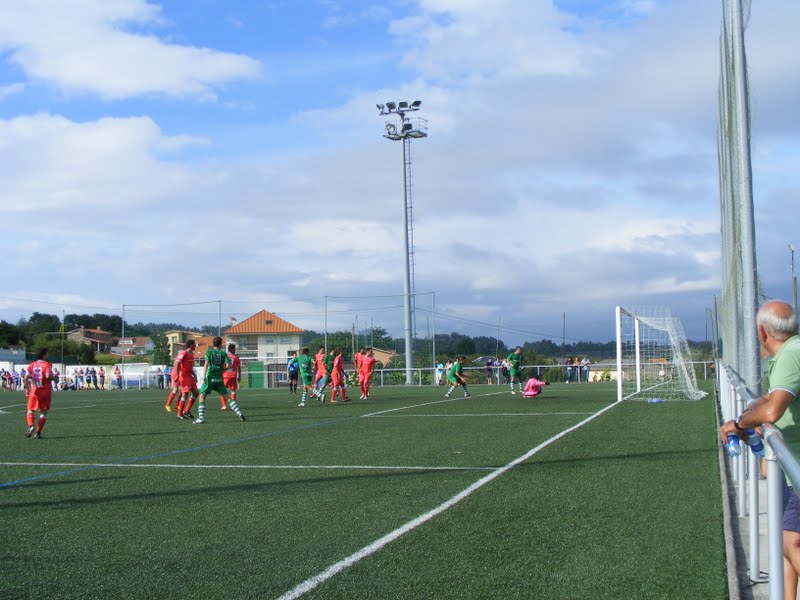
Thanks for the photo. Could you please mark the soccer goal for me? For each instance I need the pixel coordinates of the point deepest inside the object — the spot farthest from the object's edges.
(653, 360)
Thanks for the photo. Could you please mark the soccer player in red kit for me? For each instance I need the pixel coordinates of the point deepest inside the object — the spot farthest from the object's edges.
(362, 352)
(365, 373)
(38, 385)
(173, 378)
(232, 375)
(319, 363)
(337, 378)
(184, 364)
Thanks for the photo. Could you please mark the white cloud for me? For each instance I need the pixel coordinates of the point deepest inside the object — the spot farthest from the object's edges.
(49, 162)
(86, 47)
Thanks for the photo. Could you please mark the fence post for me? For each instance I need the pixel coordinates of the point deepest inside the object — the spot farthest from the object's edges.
(774, 524)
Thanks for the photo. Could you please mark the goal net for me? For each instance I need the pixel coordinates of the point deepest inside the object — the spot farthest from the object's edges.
(653, 360)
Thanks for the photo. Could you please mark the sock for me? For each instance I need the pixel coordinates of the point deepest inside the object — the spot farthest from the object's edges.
(234, 406)
(223, 401)
(189, 404)
(233, 396)
(170, 398)
(450, 391)
(465, 390)
(201, 411)
(305, 394)
(42, 419)
(181, 402)
(30, 418)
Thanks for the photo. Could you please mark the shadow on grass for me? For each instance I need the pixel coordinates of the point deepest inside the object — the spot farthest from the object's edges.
(196, 492)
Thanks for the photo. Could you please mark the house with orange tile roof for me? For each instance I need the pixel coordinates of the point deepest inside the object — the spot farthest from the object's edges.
(264, 336)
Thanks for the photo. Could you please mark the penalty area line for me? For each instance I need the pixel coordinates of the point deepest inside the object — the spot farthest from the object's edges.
(315, 581)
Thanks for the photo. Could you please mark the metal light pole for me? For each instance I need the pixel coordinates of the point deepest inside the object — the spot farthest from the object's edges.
(794, 280)
(405, 133)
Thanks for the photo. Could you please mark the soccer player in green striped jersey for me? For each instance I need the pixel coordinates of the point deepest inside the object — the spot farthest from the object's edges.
(515, 372)
(216, 361)
(304, 362)
(456, 378)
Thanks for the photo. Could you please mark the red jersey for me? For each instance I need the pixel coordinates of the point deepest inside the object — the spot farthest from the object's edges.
(40, 390)
(39, 373)
(367, 364)
(185, 360)
(338, 365)
(233, 368)
(319, 359)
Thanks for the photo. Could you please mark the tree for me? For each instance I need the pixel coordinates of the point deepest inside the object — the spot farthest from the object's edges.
(40, 323)
(161, 355)
(10, 335)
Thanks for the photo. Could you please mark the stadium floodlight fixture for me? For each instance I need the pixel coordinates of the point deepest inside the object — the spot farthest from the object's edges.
(406, 133)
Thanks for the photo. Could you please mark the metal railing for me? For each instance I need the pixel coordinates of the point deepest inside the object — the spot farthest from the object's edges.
(734, 397)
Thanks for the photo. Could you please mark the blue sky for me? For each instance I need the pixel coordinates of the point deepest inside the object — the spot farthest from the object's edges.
(167, 152)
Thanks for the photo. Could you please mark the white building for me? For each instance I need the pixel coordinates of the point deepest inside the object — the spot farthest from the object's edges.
(265, 336)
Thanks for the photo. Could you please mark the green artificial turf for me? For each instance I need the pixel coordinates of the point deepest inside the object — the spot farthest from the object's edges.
(626, 506)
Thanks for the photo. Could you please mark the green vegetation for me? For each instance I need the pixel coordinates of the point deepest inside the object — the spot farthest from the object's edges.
(612, 510)
(44, 330)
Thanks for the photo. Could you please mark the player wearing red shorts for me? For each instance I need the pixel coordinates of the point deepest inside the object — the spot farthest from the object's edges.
(365, 369)
(337, 377)
(359, 356)
(38, 385)
(173, 379)
(184, 364)
(232, 375)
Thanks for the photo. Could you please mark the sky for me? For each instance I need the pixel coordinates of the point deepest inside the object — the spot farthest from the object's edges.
(196, 162)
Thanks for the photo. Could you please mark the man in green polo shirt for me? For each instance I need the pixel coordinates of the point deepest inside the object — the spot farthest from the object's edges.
(777, 333)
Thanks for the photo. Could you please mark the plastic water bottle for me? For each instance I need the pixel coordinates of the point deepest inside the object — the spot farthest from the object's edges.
(755, 443)
(734, 449)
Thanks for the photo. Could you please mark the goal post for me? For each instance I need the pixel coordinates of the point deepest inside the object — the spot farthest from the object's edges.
(653, 359)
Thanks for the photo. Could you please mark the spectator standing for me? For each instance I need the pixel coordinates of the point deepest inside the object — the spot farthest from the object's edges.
(585, 362)
(777, 333)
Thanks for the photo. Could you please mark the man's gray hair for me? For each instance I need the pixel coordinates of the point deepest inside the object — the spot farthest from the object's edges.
(778, 319)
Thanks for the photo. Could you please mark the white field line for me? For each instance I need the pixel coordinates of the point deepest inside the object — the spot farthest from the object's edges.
(285, 467)
(485, 415)
(313, 582)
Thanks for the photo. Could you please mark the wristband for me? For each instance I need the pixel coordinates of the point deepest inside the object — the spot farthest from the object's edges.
(736, 424)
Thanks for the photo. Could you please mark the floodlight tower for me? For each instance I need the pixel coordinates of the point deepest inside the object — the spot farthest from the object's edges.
(406, 131)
